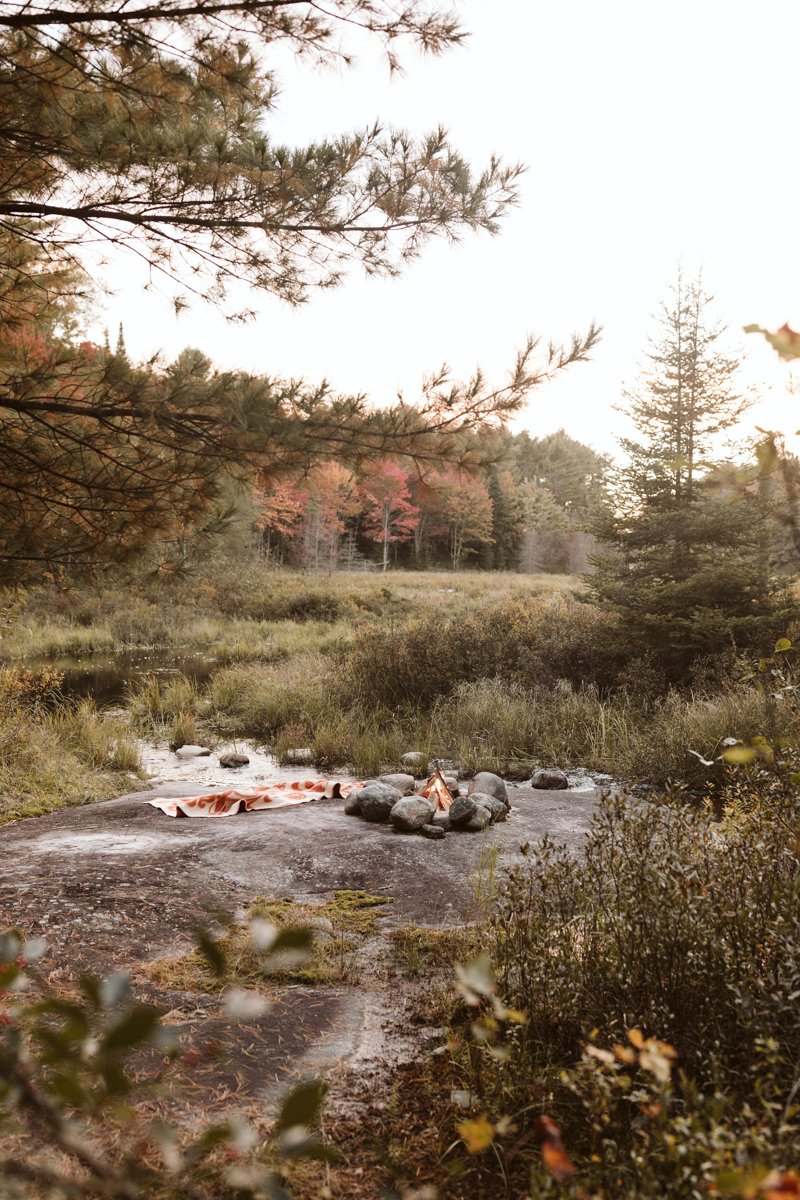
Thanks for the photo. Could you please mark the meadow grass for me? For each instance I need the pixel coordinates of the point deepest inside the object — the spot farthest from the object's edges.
(498, 671)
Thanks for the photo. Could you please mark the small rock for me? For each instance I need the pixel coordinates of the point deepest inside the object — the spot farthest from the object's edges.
(442, 820)
(452, 784)
(352, 803)
(497, 809)
(403, 783)
(414, 760)
(461, 810)
(442, 764)
(434, 832)
(549, 778)
(233, 759)
(193, 752)
(490, 784)
(410, 813)
(377, 801)
(480, 820)
(302, 756)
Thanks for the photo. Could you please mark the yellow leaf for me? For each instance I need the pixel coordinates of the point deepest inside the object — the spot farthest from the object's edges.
(739, 754)
(477, 1135)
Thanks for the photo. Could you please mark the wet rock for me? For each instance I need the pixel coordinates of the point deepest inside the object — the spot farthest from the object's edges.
(302, 756)
(490, 785)
(434, 832)
(403, 783)
(461, 810)
(549, 777)
(233, 759)
(444, 765)
(481, 819)
(352, 803)
(193, 752)
(414, 760)
(377, 801)
(410, 813)
(497, 809)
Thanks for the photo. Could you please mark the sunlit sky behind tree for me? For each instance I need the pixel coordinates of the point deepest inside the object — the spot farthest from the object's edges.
(653, 133)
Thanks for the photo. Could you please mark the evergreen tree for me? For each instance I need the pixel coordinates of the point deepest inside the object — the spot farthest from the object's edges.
(120, 350)
(685, 563)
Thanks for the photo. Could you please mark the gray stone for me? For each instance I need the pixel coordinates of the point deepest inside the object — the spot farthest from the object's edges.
(410, 813)
(452, 784)
(497, 809)
(377, 801)
(352, 803)
(461, 810)
(444, 765)
(403, 783)
(490, 784)
(192, 752)
(434, 832)
(442, 820)
(481, 819)
(414, 760)
(233, 759)
(302, 756)
(549, 777)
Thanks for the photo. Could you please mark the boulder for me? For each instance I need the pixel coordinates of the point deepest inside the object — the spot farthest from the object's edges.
(352, 803)
(434, 832)
(549, 777)
(481, 819)
(301, 756)
(193, 752)
(403, 783)
(452, 784)
(377, 801)
(414, 760)
(410, 813)
(497, 809)
(233, 759)
(442, 821)
(490, 784)
(461, 810)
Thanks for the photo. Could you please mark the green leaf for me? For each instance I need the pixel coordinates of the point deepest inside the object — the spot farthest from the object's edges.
(135, 1027)
(211, 951)
(293, 938)
(303, 1104)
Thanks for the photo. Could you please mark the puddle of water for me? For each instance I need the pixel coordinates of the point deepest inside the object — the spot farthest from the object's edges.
(163, 766)
(105, 677)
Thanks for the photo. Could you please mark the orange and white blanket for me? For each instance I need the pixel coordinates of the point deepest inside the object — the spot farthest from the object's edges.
(274, 795)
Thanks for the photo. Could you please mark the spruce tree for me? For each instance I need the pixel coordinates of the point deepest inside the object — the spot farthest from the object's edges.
(684, 562)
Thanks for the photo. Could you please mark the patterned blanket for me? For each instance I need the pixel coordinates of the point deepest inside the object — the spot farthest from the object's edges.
(274, 795)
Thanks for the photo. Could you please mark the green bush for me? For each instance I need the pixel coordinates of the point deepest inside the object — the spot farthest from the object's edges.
(673, 926)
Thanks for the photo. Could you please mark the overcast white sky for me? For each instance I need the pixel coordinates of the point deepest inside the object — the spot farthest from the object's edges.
(653, 132)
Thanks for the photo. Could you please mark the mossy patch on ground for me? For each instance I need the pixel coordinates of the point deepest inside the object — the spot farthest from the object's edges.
(338, 925)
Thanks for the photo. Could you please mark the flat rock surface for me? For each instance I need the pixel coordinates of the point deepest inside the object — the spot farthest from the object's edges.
(119, 884)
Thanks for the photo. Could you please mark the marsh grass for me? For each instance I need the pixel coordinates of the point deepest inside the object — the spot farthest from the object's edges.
(53, 755)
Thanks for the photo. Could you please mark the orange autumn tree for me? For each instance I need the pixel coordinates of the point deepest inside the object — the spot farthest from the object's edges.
(390, 516)
(466, 506)
(332, 498)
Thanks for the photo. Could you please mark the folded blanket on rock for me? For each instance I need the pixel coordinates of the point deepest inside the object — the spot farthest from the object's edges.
(274, 795)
